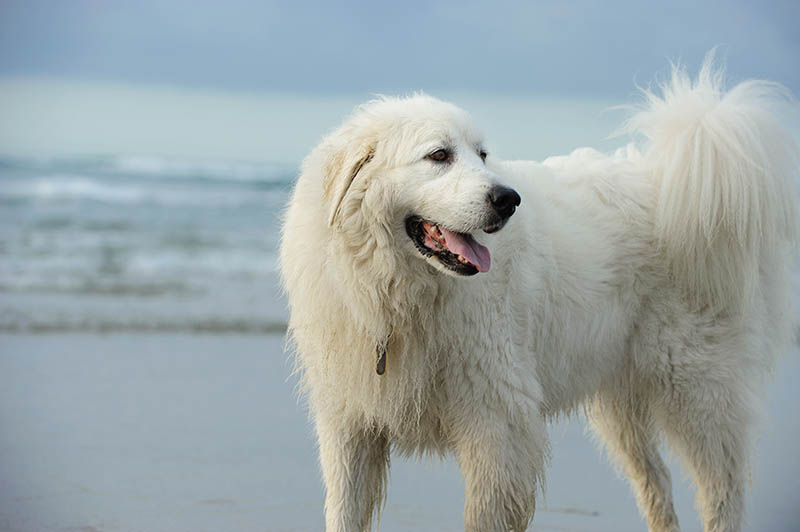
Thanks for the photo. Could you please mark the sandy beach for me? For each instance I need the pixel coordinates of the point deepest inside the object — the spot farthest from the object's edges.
(178, 432)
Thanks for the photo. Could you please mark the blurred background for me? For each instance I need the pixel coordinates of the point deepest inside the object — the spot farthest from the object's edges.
(146, 151)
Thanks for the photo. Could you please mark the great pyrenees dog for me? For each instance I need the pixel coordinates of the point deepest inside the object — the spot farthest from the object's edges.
(443, 301)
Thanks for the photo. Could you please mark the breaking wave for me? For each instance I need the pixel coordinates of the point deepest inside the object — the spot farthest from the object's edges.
(140, 243)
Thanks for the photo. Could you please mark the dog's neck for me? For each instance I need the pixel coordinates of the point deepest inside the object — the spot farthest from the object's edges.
(379, 296)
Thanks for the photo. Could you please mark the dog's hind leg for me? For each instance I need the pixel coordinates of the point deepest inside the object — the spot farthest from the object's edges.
(624, 421)
(354, 464)
(709, 427)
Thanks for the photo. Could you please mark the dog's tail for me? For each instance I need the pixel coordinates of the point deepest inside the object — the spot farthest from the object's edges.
(725, 172)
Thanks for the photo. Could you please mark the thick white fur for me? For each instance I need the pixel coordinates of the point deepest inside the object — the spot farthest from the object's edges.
(650, 287)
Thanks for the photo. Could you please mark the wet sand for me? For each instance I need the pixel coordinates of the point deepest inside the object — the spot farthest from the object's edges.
(178, 432)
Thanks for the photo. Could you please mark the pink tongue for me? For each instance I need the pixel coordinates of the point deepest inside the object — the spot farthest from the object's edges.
(468, 248)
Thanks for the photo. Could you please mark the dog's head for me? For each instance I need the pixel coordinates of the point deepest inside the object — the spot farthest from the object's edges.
(410, 173)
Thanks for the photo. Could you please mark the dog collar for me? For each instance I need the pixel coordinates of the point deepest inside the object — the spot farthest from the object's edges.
(381, 350)
(380, 368)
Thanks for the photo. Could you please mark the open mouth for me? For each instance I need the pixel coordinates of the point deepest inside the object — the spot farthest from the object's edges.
(458, 252)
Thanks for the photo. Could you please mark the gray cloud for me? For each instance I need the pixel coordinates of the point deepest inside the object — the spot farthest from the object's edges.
(578, 47)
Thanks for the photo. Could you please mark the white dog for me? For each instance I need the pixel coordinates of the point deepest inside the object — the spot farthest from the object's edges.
(650, 287)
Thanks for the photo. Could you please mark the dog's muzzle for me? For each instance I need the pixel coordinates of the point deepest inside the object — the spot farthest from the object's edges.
(459, 251)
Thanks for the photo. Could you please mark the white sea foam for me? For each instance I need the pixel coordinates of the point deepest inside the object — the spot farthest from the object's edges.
(138, 243)
(172, 167)
(61, 187)
(72, 187)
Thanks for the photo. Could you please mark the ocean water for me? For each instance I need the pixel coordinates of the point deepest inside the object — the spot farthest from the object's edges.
(176, 227)
(140, 243)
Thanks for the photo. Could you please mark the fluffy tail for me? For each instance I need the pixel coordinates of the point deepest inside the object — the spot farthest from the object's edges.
(725, 172)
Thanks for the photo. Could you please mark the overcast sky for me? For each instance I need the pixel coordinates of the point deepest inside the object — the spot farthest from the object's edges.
(563, 47)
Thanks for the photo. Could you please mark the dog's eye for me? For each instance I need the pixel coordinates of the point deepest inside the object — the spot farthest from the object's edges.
(440, 156)
(483, 155)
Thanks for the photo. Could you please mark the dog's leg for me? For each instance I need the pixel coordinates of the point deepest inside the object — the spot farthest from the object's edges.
(354, 463)
(624, 421)
(502, 461)
(709, 427)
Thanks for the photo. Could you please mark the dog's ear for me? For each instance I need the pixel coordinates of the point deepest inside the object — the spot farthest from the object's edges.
(341, 170)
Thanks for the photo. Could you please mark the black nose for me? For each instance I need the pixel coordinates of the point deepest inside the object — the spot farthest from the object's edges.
(504, 200)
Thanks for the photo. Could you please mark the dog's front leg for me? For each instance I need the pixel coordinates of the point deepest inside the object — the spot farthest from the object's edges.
(502, 461)
(354, 463)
